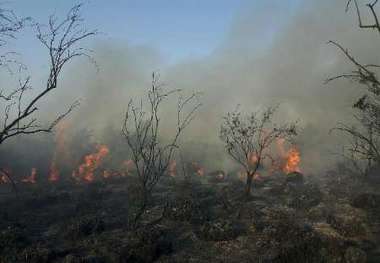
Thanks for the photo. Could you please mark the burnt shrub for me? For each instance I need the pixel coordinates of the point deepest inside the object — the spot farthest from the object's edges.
(289, 238)
(349, 221)
(12, 240)
(220, 230)
(37, 255)
(348, 226)
(146, 245)
(82, 227)
(304, 197)
(82, 259)
(186, 209)
(366, 201)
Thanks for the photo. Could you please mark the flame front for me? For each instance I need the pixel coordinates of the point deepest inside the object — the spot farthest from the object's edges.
(293, 161)
(91, 163)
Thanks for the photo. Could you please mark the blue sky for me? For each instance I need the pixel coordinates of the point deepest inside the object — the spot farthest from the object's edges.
(178, 29)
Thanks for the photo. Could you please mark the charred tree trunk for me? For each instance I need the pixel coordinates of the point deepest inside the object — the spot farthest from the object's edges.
(141, 210)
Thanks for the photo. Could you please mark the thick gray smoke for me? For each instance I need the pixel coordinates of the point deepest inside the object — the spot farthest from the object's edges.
(266, 58)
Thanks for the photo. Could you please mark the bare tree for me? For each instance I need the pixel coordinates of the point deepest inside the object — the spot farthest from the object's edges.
(151, 152)
(248, 139)
(364, 147)
(10, 25)
(372, 5)
(61, 39)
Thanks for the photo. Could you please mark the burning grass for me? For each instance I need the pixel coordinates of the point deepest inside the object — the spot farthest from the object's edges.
(185, 218)
(83, 215)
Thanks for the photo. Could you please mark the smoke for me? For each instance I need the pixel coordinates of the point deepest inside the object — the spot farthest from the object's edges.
(255, 68)
(267, 58)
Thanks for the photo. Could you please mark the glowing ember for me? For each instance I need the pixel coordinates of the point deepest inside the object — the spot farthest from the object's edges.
(32, 179)
(91, 163)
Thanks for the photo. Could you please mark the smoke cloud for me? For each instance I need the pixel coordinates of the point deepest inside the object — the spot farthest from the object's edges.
(266, 58)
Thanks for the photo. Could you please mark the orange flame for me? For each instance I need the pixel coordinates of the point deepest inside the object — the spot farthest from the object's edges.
(32, 179)
(291, 158)
(91, 163)
(292, 162)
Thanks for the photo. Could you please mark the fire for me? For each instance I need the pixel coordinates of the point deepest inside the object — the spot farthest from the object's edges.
(91, 163)
(292, 162)
(291, 158)
(32, 179)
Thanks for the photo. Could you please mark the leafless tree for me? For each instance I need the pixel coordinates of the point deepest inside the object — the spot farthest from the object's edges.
(61, 39)
(10, 25)
(364, 145)
(151, 152)
(248, 139)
